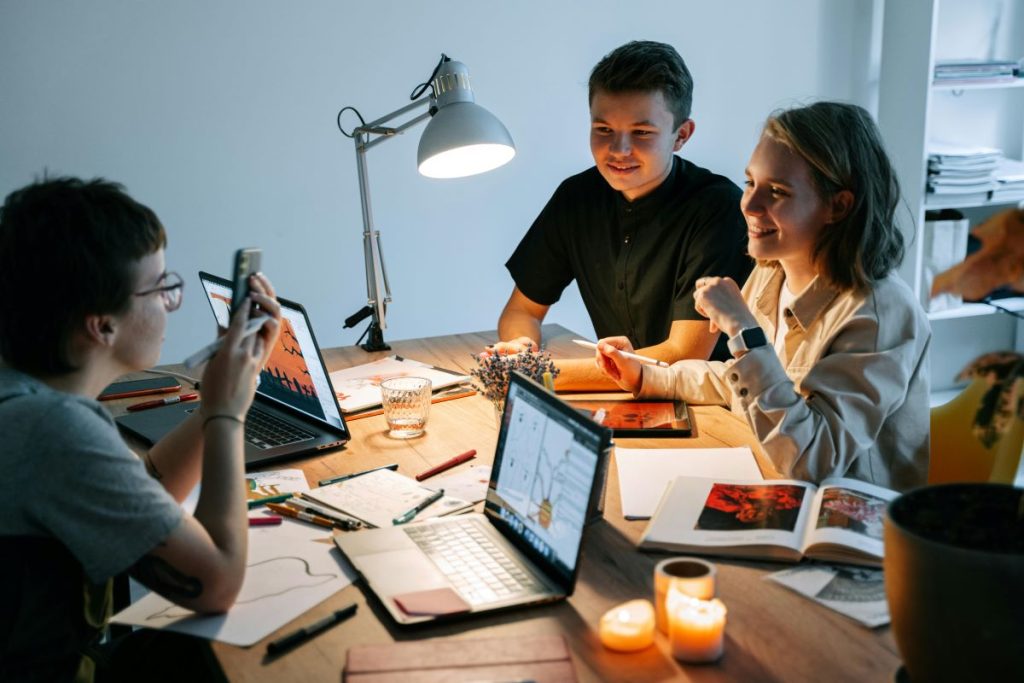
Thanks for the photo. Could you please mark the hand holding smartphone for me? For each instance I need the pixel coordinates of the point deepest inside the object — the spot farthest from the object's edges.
(247, 264)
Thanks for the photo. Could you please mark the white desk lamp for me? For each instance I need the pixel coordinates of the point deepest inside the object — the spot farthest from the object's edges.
(461, 139)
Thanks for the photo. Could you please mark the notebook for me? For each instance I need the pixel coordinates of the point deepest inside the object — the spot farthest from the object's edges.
(295, 410)
(524, 549)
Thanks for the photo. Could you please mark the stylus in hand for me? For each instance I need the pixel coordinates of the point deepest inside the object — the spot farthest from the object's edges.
(206, 353)
(642, 359)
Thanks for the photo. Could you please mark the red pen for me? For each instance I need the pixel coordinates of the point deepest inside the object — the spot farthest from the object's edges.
(269, 520)
(447, 465)
(162, 402)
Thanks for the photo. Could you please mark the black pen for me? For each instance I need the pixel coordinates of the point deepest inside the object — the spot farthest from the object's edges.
(410, 514)
(303, 634)
(334, 480)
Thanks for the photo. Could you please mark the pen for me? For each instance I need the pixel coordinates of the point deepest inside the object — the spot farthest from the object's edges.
(269, 499)
(334, 480)
(420, 507)
(643, 359)
(303, 634)
(303, 505)
(269, 520)
(206, 353)
(162, 402)
(447, 464)
(304, 516)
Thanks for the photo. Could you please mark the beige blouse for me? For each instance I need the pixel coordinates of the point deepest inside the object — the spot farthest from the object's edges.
(849, 397)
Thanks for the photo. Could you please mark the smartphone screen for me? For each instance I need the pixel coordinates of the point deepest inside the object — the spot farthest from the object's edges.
(140, 387)
(247, 262)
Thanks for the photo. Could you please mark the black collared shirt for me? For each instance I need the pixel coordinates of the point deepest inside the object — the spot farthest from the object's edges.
(635, 262)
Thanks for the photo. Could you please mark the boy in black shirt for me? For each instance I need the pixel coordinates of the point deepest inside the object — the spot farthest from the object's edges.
(637, 229)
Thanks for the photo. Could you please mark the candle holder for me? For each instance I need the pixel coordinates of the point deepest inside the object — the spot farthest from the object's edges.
(691, 576)
(696, 628)
(628, 627)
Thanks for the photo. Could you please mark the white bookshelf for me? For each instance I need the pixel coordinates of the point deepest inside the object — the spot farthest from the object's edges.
(913, 110)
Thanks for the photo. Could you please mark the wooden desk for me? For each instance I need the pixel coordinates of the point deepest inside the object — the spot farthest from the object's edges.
(772, 634)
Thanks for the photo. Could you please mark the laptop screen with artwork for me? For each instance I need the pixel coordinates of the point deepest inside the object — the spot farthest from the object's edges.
(543, 476)
(295, 375)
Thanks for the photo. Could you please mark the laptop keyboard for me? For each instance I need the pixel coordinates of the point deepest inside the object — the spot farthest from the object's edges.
(479, 569)
(263, 430)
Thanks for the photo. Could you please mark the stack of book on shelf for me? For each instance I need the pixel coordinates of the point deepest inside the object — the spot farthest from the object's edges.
(961, 175)
(1009, 176)
(970, 71)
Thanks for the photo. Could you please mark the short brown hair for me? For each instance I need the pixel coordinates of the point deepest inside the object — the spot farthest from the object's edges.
(646, 66)
(68, 249)
(843, 148)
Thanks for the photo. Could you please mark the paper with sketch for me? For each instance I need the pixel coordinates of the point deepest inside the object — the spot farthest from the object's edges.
(378, 497)
(358, 387)
(857, 592)
(645, 472)
(469, 484)
(259, 485)
(288, 572)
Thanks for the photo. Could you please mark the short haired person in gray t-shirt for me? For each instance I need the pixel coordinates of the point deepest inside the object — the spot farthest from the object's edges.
(84, 299)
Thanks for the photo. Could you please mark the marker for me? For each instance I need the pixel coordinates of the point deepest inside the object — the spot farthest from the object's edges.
(447, 465)
(268, 520)
(303, 505)
(642, 359)
(334, 480)
(304, 516)
(269, 499)
(303, 634)
(170, 400)
(206, 353)
(420, 507)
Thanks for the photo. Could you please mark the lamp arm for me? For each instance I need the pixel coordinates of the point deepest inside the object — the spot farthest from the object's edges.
(376, 274)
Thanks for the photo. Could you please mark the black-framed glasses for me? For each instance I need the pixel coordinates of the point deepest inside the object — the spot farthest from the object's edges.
(171, 291)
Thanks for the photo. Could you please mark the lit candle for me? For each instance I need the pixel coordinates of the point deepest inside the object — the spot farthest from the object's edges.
(689, 575)
(696, 628)
(628, 627)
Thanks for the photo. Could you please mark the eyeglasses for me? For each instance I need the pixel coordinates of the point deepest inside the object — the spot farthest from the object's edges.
(171, 292)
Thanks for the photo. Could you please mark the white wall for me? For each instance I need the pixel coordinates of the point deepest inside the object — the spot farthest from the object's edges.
(220, 116)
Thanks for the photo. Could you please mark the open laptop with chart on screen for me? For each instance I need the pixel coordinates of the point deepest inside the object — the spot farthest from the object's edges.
(524, 549)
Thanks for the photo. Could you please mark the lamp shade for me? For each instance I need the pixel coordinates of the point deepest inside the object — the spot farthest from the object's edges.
(462, 138)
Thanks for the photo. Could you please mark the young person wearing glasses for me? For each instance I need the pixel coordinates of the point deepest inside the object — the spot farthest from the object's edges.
(84, 299)
(829, 345)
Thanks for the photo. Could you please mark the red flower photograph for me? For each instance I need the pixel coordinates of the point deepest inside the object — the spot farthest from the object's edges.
(732, 507)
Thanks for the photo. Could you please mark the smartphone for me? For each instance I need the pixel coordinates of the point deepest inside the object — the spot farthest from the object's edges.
(247, 262)
(140, 387)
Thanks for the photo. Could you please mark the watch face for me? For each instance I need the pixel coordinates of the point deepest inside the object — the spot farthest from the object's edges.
(754, 337)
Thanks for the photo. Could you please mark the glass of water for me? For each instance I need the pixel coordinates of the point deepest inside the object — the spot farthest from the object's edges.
(406, 403)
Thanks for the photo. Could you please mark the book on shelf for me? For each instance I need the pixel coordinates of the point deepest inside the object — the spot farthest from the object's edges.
(358, 387)
(784, 520)
(945, 245)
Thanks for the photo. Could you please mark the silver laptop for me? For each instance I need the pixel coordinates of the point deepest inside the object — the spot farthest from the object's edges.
(525, 548)
(295, 410)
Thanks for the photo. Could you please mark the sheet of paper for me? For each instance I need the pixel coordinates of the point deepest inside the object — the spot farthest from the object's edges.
(288, 572)
(857, 592)
(645, 472)
(358, 387)
(469, 484)
(380, 496)
(274, 482)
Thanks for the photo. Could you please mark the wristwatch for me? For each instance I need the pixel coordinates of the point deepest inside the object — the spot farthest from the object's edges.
(746, 339)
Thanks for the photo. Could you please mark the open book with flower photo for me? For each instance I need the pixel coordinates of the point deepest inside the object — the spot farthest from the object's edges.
(838, 521)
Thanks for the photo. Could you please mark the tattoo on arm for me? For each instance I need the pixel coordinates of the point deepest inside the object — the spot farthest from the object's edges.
(158, 575)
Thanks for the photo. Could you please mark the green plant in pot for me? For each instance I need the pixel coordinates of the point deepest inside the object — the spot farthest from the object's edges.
(954, 578)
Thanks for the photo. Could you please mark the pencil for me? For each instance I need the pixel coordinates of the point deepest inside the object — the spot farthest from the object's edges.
(646, 360)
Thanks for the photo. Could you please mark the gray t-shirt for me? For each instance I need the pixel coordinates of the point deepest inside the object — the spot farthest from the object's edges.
(67, 474)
